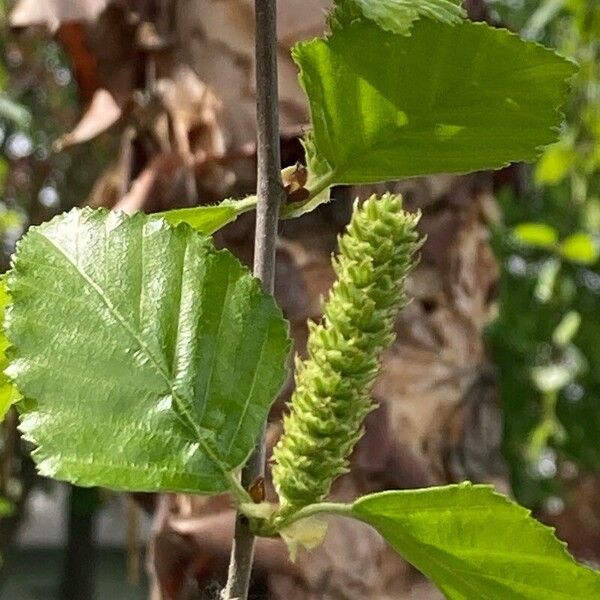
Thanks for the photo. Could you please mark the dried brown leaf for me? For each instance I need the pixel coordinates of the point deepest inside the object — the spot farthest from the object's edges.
(54, 12)
(102, 113)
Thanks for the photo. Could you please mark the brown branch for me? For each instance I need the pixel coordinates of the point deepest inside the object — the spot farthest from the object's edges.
(270, 195)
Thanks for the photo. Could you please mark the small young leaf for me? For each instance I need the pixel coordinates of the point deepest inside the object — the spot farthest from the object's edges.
(538, 235)
(580, 248)
(447, 99)
(476, 544)
(208, 219)
(151, 360)
(399, 16)
(556, 162)
(567, 329)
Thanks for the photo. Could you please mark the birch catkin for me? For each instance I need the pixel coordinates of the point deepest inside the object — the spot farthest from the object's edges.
(333, 384)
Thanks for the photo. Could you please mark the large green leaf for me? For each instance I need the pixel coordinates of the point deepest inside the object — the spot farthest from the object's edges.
(400, 15)
(475, 544)
(151, 359)
(446, 99)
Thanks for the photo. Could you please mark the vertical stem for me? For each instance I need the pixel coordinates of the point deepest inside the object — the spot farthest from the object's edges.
(270, 195)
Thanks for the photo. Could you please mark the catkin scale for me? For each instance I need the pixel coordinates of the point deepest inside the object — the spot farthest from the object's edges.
(333, 384)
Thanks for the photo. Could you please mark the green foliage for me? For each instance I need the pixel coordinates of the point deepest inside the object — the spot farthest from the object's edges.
(537, 235)
(398, 16)
(333, 384)
(208, 219)
(149, 360)
(474, 543)
(555, 164)
(551, 390)
(6, 508)
(565, 331)
(381, 111)
(14, 112)
(8, 393)
(538, 299)
(576, 157)
(580, 248)
(205, 219)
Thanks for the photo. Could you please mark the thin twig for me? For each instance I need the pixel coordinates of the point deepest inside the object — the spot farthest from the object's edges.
(270, 195)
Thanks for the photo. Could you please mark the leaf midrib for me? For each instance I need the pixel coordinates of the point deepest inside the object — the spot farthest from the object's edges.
(422, 548)
(183, 413)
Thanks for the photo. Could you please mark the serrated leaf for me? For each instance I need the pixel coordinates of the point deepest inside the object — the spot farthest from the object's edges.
(538, 235)
(447, 99)
(475, 544)
(399, 16)
(580, 248)
(151, 359)
(8, 393)
(208, 219)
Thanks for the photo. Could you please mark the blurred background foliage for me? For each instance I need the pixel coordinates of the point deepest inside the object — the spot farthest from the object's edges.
(38, 103)
(545, 341)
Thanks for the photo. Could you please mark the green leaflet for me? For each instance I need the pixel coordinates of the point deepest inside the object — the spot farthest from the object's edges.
(476, 544)
(399, 16)
(536, 235)
(580, 248)
(446, 99)
(208, 219)
(8, 393)
(151, 360)
(333, 383)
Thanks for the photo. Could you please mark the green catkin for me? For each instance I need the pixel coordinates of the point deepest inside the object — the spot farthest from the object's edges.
(333, 384)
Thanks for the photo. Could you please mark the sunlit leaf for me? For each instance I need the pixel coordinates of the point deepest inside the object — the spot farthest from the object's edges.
(149, 359)
(399, 16)
(555, 164)
(475, 544)
(538, 235)
(580, 248)
(208, 219)
(446, 99)
(567, 328)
